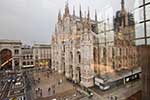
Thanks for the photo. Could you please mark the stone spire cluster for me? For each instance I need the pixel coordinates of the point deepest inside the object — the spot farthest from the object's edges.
(68, 18)
(67, 13)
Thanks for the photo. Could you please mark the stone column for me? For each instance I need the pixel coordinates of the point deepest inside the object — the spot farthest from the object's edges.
(74, 65)
(87, 72)
(67, 62)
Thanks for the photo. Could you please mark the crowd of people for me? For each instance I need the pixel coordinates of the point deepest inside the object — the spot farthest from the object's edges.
(38, 92)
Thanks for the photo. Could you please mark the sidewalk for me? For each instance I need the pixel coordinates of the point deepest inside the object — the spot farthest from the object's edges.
(122, 93)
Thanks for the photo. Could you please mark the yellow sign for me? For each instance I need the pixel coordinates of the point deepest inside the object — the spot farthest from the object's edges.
(14, 99)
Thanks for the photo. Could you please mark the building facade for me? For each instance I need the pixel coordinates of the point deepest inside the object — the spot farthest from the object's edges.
(27, 56)
(42, 55)
(77, 50)
(10, 54)
(14, 55)
(72, 47)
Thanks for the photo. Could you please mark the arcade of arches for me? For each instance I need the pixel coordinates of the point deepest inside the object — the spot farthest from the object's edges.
(6, 55)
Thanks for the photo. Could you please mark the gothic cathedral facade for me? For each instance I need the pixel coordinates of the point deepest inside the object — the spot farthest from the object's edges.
(77, 53)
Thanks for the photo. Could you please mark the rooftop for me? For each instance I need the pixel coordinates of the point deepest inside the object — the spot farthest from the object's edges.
(41, 45)
(6, 41)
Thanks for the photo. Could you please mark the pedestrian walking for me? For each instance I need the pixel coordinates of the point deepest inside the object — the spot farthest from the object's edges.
(41, 93)
(39, 79)
(115, 97)
(49, 89)
(111, 98)
(36, 91)
(53, 91)
(53, 86)
(108, 97)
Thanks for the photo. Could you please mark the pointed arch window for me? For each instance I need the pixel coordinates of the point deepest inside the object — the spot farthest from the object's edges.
(94, 55)
(71, 57)
(79, 57)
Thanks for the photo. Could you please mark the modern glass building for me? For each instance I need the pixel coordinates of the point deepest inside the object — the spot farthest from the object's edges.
(142, 18)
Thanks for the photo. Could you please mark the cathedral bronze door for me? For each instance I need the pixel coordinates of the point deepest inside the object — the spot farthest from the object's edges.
(70, 72)
(5, 59)
(64, 70)
(78, 74)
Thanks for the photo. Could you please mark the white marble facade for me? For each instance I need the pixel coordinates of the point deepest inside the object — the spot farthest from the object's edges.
(78, 53)
(72, 47)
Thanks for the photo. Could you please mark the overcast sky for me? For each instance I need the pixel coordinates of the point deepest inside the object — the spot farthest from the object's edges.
(34, 20)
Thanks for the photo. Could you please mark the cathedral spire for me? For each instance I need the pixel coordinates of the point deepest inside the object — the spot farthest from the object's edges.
(59, 15)
(88, 15)
(80, 13)
(55, 29)
(73, 11)
(95, 15)
(66, 9)
(85, 14)
(122, 4)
